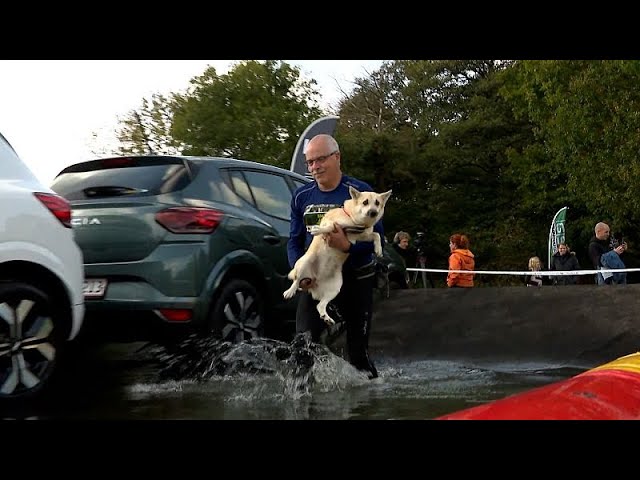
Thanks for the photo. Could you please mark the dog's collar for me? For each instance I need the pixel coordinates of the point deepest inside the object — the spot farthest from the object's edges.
(352, 228)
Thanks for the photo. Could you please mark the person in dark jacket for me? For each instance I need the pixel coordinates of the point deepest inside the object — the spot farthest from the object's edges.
(564, 260)
(599, 245)
(401, 245)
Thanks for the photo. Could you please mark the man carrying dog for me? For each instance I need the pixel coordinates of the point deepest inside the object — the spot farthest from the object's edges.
(330, 189)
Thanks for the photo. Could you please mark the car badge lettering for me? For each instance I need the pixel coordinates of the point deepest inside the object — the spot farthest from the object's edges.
(79, 221)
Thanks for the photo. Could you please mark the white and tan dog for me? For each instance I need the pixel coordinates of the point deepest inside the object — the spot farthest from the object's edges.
(322, 264)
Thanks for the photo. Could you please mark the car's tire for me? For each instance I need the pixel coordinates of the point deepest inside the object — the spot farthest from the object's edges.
(31, 342)
(238, 312)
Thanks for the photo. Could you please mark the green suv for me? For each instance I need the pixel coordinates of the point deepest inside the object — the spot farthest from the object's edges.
(173, 243)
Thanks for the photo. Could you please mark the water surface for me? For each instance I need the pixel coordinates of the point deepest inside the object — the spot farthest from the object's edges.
(274, 381)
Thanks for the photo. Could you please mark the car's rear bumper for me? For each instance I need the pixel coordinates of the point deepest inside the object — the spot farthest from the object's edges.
(134, 321)
(171, 270)
(131, 308)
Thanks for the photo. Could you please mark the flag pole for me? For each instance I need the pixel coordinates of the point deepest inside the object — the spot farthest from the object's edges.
(556, 237)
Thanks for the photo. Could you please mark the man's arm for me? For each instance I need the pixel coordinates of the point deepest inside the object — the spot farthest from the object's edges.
(297, 234)
(594, 254)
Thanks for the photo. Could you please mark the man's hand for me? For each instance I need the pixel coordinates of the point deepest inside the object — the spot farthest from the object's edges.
(338, 239)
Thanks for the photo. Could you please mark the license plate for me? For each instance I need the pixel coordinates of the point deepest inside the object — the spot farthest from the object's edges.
(94, 287)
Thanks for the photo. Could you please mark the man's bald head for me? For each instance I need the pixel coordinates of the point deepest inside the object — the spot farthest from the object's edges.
(323, 141)
(602, 231)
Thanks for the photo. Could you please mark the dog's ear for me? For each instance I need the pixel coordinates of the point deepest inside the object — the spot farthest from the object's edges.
(354, 192)
(386, 195)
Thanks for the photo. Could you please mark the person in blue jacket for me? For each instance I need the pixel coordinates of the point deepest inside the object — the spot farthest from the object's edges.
(354, 303)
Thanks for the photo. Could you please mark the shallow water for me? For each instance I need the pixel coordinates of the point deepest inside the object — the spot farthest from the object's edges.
(274, 381)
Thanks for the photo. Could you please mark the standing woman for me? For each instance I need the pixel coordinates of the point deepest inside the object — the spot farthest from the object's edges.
(564, 259)
(461, 258)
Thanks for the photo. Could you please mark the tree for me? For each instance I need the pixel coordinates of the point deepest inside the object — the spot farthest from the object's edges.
(256, 112)
(379, 143)
(587, 138)
(146, 130)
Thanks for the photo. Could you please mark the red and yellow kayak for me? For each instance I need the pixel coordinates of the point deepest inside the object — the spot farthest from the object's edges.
(608, 392)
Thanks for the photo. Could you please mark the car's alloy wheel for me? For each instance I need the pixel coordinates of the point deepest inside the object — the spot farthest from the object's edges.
(238, 313)
(28, 345)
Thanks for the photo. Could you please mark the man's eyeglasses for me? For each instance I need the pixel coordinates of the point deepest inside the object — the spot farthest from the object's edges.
(320, 160)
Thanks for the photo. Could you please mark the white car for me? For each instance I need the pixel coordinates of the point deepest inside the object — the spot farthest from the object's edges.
(41, 280)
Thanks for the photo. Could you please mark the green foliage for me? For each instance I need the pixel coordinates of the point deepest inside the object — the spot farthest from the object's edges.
(147, 130)
(257, 111)
(587, 128)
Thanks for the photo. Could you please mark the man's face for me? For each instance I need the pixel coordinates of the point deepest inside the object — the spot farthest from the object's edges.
(603, 233)
(322, 163)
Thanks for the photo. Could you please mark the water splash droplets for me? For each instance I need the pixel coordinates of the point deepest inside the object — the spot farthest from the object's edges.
(258, 368)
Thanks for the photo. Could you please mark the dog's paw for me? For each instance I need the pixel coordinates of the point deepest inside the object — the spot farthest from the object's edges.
(290, 292)
(378, 251)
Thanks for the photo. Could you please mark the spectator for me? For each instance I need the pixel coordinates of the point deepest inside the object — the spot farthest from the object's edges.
(461, 258)
(564, 260)
(535, 279)
(401, 245)
(600, 245)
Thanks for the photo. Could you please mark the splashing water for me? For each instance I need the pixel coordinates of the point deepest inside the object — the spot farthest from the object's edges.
(298, 368)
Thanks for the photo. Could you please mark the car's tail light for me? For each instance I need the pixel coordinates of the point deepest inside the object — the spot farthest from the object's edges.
(175, 314)
(189, 219)
(56, 205)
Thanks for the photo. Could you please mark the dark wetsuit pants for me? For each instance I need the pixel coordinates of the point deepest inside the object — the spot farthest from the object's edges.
(355, 307)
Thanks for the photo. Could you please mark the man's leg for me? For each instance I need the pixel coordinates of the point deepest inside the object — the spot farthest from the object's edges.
(307, 317)
(356, 303)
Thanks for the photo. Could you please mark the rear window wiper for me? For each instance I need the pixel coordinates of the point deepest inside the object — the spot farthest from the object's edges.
(112, 191)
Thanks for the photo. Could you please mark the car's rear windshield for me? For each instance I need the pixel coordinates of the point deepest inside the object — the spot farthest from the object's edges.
(128, 181)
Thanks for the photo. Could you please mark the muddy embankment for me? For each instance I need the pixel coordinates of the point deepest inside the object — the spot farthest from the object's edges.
(583, 325)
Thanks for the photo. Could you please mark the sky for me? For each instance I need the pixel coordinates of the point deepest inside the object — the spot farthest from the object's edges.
(58, 112)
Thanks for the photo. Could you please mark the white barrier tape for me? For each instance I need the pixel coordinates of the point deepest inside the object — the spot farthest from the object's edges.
(555, 273)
